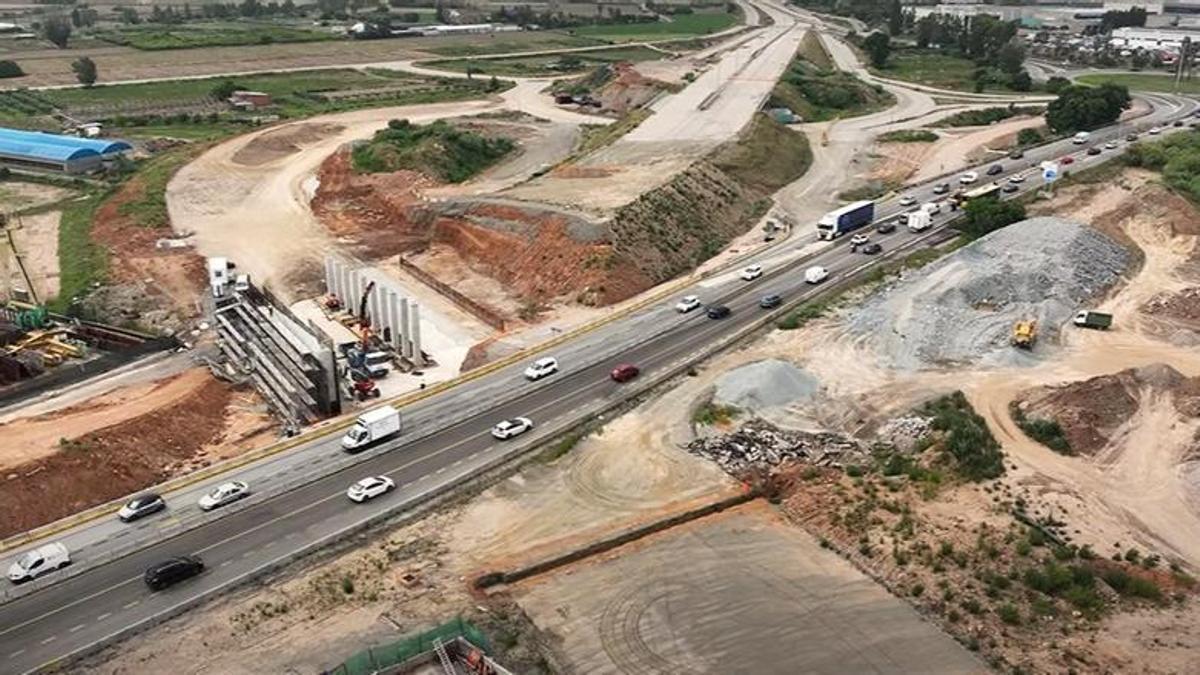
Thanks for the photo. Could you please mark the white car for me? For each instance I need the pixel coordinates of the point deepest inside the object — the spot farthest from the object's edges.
(510, 428)
(225, 493)
(908, 200)
(39, 561)
(751, 272)
(1017, 178)
(968, 178)
(859, 239)
(816, 274)
(687, 303)
(541, 368)
(1154, 131)
(369, 488)
(1110, 145)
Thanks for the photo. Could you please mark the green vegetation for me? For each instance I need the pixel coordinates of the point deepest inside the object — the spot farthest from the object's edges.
(551, 40)
(545, 64)
(1027, 137)
(1074, 583)
(988, 215)
(816, 93)
(10, 69)
(561, 447)
(595, 136)
(872, 189)
(766, 156)
(1079, 107)
(1047, 432)
(803, 314)
(908, 136)
(438, 149)
(713, 414)
(1177, 157)
(812, 50)
(81, 262)
(966, 439)
(930, 68)
(680, 25)
(974, 118)
(157, 37)
(149, 209)
(1141, 82)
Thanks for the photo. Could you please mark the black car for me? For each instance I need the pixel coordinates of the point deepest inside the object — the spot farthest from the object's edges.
(995, 169)
(718, 312)
(1016, 154)
(770, 301)
(172, 571)
(872, 248)
(886, 227)
(1131, 137)
(941, 188)
(140, 506)
(1011, 187)
(1094, 150)
(1177, 123)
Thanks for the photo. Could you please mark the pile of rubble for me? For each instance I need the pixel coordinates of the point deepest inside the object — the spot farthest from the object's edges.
(903, 433)
(761, 445)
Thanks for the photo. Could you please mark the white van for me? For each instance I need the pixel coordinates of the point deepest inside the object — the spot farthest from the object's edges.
(1081, 138)
(815, 274)
(37, 562)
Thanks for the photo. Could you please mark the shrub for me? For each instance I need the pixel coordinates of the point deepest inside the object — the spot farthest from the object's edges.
(970, 444)
(1009, 614)
(10, 69)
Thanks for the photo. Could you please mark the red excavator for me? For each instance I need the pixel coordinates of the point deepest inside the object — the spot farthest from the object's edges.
(363, 383)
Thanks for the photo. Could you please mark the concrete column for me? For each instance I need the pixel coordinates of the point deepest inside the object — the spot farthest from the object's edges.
(344, 284)
(373, 303)
(330, 274)
(355, 292)
(405, 345)
(394, 320)
(415, 335)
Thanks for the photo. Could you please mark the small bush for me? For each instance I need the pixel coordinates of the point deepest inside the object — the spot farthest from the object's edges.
(908, 136)
(1009, 614)
(347, 585)
(975, 452)
(1047, 432)
(10, 69)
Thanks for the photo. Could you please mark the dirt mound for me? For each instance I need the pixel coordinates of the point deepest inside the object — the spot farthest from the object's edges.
(1182, 306)
(103, 465)
(1092, 411)
(627, 89)
(283, 142)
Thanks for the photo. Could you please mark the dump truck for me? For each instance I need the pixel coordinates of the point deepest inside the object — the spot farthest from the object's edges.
(1024, 334)
(371, 427)
(1088, 319)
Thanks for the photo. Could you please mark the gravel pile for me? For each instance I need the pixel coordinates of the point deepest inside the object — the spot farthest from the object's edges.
(759, 444)
(961, 309)
(763, 385)
(904, 432)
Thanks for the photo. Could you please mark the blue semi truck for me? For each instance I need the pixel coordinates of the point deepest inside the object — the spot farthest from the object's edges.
(850, 217)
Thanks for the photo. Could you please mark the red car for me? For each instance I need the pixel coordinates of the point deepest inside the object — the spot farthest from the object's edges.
(1067, 160)
(625, 372)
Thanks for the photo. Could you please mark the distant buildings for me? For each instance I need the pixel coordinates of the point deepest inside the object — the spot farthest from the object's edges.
(1152, 39)
(56, 152)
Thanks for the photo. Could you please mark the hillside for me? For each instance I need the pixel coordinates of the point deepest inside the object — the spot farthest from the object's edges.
(438, 150)
(816, 91)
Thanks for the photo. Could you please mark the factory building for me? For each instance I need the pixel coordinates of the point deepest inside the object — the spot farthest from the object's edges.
(55, 152)
(1158, 39)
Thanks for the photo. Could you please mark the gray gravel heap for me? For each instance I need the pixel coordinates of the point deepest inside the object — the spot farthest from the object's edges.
(764, 384)
(760, 444)
(961, 308)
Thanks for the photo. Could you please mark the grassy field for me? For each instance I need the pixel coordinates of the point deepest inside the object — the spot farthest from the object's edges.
(552, 40)
(153, 38)
(934, 70)
(438, 149)
(550, 64)
(81, 261)
(596, 136)
(816, 94)
(150, 209)
(681, 25)
(1142, 82)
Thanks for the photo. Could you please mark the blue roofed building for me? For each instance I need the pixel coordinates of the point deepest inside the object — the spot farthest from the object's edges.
(56, 152)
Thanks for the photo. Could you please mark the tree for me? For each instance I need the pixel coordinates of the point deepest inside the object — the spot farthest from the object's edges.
(895, 18)
(1134, 17)
(85, 70)
(1081, 108)
(1029, 137)
(1056, 84)
(10, 69)
(1010, 58)
(57, 29)
(223, 90)
(1021, 81)
(988, 215)
(878, 47)
(493, 84)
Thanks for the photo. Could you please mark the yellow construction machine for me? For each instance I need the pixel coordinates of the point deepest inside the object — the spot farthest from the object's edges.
(1024, 334)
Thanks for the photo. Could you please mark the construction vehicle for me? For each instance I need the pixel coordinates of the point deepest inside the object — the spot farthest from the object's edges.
(1086, 318)
(1024, 334)
(361, 375)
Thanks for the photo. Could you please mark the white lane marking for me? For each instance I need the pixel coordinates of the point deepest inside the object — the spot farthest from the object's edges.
(16, 653)
(226, 563)
(50, 639)
(130, 605)
(76, 629)
(103, 616)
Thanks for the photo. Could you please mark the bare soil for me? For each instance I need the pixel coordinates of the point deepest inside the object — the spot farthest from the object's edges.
(37, 241)
(18, 196)
(282, 142)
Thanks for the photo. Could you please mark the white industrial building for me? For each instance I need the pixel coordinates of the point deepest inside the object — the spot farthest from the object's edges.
(1153, 39)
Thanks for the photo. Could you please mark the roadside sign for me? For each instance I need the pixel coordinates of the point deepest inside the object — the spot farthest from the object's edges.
(1049, 171)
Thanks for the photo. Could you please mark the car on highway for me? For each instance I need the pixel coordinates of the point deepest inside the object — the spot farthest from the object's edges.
(624, 372)
(172, 571)
(860, 239)
(39, 561)
(1067, 160)
(1131, 137)
(1016, 154)
(687, 303)
(1177, 123)
(968, 177)
(815, 274)
(512, 428)
(1154, 131)
(541, 368)
(1111, 145)
(370, 488)
(140, 507)
(225, 493)
(1094, 150)
(1017, 178)
(1010, 188)
(995, 169)
(718, 312)
(771, 301)
(751, 272)
(886, 227)
(941, 188)
(872, 248)
(908, 200)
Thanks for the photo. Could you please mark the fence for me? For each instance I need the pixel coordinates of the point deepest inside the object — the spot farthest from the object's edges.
(484, 314)
(376, 659)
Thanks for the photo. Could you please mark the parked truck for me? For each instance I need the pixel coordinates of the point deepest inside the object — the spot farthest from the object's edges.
(370, 428)
(919, 220)
(850, 217)
(1089, 319)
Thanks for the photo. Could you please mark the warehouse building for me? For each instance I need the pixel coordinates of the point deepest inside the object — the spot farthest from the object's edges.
(55, 152)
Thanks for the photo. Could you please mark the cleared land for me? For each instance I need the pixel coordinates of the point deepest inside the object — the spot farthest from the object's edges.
(1142, 82)
(931, 69)
(547, 65)
(680, 25)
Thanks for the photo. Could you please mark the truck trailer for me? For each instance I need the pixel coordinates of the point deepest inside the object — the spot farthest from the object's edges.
(918, 221)
(850, 217)
(371, 427)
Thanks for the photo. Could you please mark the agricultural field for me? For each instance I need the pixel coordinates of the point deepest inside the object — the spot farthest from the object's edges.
(1142, 82)
(930, 69)
(547, 40)
(548, 64)
(152, 38)
(680, 25)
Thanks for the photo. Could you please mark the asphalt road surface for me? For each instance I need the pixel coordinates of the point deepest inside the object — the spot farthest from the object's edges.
(78, 611)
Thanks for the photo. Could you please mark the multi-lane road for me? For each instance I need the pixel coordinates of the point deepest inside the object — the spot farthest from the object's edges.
(446, 440)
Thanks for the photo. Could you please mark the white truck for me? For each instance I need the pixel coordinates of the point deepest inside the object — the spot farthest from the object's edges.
(919, 220)
(371, 427)
(1081, 138)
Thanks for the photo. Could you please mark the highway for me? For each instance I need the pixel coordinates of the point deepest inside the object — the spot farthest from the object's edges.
(446, 440)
